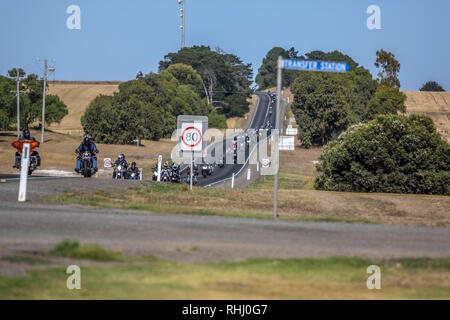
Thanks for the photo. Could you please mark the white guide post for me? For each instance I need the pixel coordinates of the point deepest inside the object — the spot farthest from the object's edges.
(159, 167)
(24, 172)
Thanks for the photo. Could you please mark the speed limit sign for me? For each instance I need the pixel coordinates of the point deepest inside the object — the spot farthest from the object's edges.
(191, 136)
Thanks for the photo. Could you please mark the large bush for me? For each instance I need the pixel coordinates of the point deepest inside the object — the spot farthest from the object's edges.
(392, 153)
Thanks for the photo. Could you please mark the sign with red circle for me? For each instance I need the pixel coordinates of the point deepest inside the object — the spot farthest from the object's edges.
(191, 136)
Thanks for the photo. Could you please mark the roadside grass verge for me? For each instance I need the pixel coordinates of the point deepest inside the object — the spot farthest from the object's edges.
(169, 199)
(263, 278)
(257, 203)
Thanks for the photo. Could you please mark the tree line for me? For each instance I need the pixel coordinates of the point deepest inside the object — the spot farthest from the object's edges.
(192, 81)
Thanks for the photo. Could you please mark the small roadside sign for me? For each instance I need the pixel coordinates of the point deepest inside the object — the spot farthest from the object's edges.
(191, 136)
(291, 131)
(107, 163)
(265, 163)
(287, 143)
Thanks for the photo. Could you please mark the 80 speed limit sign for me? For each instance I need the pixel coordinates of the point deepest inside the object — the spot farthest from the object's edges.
(191, 136)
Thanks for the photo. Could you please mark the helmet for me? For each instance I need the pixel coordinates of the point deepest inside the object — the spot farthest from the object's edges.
(87, 139)
(235, 138)
(26, 134)
(121, 157)
(133, 165)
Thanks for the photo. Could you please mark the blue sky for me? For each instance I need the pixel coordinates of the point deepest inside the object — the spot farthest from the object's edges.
(118, 38)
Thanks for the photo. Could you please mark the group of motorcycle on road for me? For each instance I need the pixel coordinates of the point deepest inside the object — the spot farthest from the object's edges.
(86, 162)
(172, 172)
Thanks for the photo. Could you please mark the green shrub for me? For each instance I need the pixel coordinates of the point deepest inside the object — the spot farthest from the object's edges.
(73, 249)
(392, 153)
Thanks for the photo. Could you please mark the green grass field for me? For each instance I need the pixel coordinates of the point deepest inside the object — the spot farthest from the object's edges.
(127, 277)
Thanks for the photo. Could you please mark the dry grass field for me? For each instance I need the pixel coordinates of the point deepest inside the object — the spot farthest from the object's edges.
(436, 105)
(77, 96)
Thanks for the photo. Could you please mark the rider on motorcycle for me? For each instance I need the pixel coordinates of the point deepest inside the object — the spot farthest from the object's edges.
(26, 135)
(122, 162)
(86, 145)
(133, 169)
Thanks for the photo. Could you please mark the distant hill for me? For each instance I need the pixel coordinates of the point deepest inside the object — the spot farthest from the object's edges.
(77, 95)
(433, 104)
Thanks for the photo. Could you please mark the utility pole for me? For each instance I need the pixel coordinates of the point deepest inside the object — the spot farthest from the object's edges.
(277, 126)
(183, 19)
(46, 69)
(18, 78)
(43, 100)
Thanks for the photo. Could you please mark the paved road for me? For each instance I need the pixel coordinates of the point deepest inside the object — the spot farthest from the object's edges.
(259, 119)
(37, 225)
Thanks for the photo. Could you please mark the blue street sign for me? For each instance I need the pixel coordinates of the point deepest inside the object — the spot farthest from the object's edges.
(308, 65)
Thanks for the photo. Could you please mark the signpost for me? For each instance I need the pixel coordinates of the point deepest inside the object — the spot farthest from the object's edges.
(304, 65)
(191, 131)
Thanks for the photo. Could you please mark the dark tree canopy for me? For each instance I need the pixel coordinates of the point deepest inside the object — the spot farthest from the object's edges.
(432, 86)
(321, 106)
(392, 153)
(225, 78)
(267, 73)
(315, 95)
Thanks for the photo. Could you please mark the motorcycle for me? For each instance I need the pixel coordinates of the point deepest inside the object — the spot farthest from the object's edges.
(35, 160)
(175, 173)
(194, 175)
(205, 170)
(120, 172)
(134, 176)
(175, 177)
(221, 163)
(86, 168)
(165, 175)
